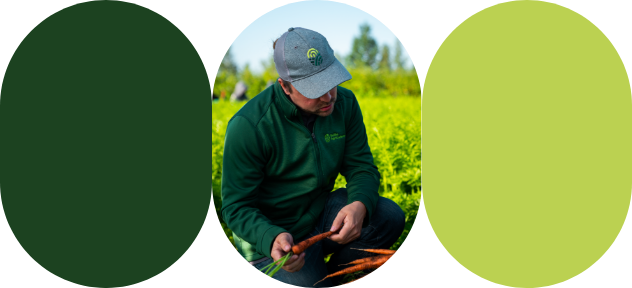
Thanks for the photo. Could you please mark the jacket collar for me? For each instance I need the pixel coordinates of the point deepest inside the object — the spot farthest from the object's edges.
(284, 103)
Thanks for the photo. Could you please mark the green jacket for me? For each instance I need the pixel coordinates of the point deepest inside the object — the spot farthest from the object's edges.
(276, 174)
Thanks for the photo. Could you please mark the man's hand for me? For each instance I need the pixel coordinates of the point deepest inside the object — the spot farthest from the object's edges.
(282, 245)
(350, 218)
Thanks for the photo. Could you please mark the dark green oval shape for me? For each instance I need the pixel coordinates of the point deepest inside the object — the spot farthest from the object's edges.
(105, 158)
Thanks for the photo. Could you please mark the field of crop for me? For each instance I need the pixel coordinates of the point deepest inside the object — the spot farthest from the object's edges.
(393, 126)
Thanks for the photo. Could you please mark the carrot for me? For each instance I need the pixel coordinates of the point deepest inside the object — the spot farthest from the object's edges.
(378, 251)
(368, 259)
(300, 247)
(368, 265)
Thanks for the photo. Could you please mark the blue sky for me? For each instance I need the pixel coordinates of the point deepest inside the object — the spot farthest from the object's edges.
(338, 22)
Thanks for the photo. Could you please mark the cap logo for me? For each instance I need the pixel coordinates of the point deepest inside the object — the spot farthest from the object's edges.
(314, 57)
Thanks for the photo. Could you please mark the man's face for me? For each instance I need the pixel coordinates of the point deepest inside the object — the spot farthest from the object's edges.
(322, 106)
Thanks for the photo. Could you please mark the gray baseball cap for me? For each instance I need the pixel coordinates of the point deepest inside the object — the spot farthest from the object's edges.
(304, 58)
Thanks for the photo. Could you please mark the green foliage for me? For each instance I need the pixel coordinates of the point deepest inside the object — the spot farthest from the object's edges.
(227, 78)
(394, 131)
(228, 64)
(364, 49)
(387, 83)
(385, 59)
(399, 58)
(222, 111)
(365, 82)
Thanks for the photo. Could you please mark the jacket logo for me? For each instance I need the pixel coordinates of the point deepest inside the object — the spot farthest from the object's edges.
(314, 57)
(333, 136)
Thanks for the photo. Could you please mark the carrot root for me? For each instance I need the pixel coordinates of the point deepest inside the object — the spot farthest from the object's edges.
(300, 247)
(378, 251)
(356, 268)
(368, 259)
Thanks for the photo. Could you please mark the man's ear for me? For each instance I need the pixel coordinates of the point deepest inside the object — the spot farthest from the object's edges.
(283, 86)
(281, 83)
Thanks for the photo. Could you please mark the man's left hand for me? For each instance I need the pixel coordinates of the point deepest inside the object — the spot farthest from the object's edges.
(350, 218)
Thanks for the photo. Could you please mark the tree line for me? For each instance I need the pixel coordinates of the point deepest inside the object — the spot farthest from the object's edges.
(375, 71)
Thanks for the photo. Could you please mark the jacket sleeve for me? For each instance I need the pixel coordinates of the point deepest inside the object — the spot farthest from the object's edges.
(242, 172)
(363, 178)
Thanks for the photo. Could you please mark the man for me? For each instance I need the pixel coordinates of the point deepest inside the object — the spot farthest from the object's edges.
(282, 153)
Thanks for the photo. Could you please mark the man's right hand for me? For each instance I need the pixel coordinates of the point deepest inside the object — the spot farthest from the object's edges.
(282, 245)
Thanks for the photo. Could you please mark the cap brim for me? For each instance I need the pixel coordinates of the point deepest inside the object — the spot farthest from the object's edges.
(318, 84)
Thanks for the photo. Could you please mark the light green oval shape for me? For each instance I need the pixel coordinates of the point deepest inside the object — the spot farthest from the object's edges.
(527, 147)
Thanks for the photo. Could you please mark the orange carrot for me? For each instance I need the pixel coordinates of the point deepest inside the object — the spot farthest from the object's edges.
(368, 259)
(378, 251)
(300, 247)
(369, 265)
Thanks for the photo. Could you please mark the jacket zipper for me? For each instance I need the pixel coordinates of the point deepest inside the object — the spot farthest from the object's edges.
(318, 162)
(315, 148)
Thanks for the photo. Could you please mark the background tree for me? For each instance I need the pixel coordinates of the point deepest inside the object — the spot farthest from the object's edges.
(252, 81)
(269, 71)
(227, 76)
(364, 49)
(399, 58)
(228, 64)
(342, 59)
(385, 59)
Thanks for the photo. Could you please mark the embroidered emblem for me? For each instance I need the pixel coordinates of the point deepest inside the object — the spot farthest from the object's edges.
(314, 57)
